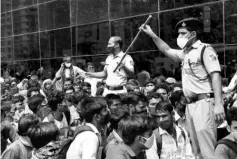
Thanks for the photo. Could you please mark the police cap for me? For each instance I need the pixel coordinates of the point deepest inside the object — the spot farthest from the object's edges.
(190, 23)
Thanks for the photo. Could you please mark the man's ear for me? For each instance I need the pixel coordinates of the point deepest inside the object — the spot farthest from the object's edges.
(228, 128)
(97, 117)
(131, 109)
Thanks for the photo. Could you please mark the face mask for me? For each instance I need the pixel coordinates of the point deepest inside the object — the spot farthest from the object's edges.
(234, 134)
(150, 88)
(181, 42)
(149, 142)
(68, 64)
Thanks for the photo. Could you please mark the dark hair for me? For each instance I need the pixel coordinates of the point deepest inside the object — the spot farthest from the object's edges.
(41, 134)
(25, 122)
(116, 115)
(18, 98)
(231, 115)
(153, 95)
(33, 83)
(150, 81)
(89, 107)
(68, 79)
(133, 126)
(163, 86)
(35, 101)
(176, 97)
(134, 97)
(86, 84)
(111, 97)
(55, 100)
(32, 89)
(118, 39)
(164, 106)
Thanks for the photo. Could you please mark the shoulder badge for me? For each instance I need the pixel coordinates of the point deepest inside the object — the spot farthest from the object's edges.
(183, 24)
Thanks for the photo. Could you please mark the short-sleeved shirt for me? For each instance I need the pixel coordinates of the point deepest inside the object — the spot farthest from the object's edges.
(118, 78)
(194, 74)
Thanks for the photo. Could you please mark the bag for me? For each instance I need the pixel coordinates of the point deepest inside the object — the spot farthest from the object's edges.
(229, 143)
(62, 152)
(159, 139)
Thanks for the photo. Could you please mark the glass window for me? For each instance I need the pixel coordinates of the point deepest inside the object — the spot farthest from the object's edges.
(22, 3)
(55, 43)
(50, 66)
(230, 22)
(6, 24)
(6, 67)
(169, 4)
(127, 29)
(43, 1)
(122, 8)
(25, 67)
(231, 59)
(210, 15)
(91, 39)
(6, 5)
(83, 11)
(6, 49)
(25, 20)
(54, 14)
(26, 47)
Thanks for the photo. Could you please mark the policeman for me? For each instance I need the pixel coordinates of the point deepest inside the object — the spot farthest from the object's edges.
(201, 84)
(115, 81)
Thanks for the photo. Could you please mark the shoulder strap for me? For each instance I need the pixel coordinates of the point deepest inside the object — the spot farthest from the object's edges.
(81, 129)
(229, 143)
(202, 53)
(158, 141)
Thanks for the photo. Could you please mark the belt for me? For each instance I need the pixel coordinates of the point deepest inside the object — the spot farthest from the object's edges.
(114, 88)
(200, 97)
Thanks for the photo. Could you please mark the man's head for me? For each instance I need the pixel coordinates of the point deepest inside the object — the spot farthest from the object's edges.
(33, 75)
(114, 101)
(33, 91)
(231, 117)
(150, 86)
(95, 111)
(67, 60)
(90, 67)
(115, 44)
(86, 88)
(163, 90)
(137, 103)
(68, 93)
(164, 114)
(136, 130)
(25, 122)
(188, 30)
(67, 83)
(153, 98)
(35, 102)
(179, 102)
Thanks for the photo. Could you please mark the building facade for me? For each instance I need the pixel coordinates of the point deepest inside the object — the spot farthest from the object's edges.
(38, 33)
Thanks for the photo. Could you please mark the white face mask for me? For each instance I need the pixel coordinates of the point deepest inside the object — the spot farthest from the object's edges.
(181, 42)
(149, 142)
(67, 64)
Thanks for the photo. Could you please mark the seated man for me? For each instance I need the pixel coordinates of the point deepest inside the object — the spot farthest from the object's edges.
(172, 141)
(223, 149)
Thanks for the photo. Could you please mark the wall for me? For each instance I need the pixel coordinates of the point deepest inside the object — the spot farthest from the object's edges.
(37, 33)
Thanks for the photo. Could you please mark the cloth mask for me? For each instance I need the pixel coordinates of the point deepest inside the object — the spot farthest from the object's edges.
(149, 142)
(68, 64)
(181, 42)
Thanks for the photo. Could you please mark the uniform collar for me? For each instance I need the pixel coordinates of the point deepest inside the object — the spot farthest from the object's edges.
(120, 54)
(196, 44)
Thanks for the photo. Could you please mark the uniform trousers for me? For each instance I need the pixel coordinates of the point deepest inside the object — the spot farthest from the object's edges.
(107, 91)
(202, 128)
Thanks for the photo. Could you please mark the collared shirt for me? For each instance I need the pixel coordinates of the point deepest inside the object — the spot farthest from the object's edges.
(76, 71)
(85, 145)
(172, 150)
(193, 68)
(181, 121)
(19, 149)
(118, 78)
(224, 152)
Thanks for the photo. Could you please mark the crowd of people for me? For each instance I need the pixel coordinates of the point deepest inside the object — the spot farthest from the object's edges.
(83, 114)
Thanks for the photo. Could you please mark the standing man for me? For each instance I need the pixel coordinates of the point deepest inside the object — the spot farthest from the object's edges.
(115, 81)
(201, 84)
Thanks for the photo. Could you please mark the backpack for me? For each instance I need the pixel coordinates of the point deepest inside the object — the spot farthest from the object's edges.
(62, 152)
(229, 143)
(159, 139)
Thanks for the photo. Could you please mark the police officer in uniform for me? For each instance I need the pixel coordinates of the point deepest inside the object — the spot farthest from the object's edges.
(115, 81)
(201, 84)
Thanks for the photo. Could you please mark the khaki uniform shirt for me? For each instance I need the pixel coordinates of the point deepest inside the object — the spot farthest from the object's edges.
(191, 64)
(118, 78)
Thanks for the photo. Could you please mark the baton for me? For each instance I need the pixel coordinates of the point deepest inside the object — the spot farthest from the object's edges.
(147, 20)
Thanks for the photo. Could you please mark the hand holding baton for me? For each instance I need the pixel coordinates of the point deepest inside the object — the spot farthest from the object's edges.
(147, 20)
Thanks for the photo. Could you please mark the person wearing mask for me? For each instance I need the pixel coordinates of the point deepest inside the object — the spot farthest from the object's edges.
(22, 148)
(227, 147)
(172, 141)
(87, 144)
(201, 80)
(153, 98)
(137, 136)
(149, 87)
(163, 90)
(115, 81)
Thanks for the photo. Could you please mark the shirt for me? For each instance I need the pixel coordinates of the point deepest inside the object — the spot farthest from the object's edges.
(172, 150)
(118, 78)
(93, 82)
(193, 68)
(76, 71)
(224, 152)
(85, 145)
